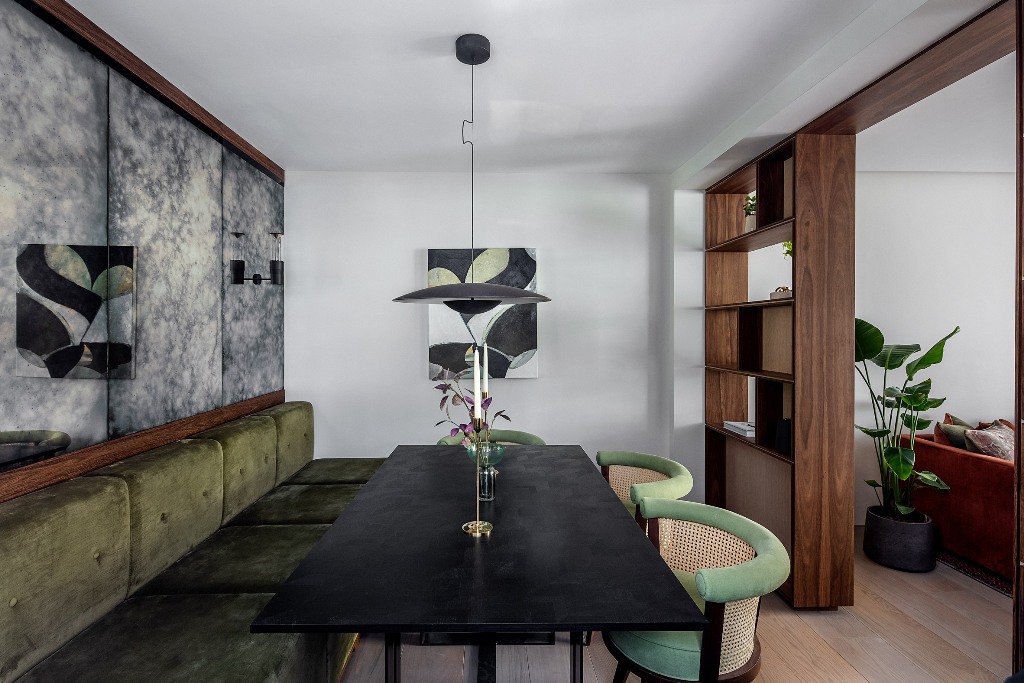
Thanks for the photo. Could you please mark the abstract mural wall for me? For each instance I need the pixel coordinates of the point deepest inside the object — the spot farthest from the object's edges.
(113, 209)
(510, 331)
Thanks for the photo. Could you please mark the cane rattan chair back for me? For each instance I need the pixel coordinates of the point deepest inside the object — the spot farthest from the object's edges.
(727, 562)
(633, 476)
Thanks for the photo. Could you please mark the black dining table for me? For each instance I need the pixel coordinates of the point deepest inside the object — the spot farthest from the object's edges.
(564, 556)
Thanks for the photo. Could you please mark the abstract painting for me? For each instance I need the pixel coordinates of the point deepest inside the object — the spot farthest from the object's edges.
(510, 330)
(75, 311)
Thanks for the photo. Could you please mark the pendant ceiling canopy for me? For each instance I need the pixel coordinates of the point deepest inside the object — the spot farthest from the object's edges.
(472, 297)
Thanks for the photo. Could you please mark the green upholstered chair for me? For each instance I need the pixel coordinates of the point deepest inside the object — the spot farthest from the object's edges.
(506, 436)
(640, 475)
(726, 562)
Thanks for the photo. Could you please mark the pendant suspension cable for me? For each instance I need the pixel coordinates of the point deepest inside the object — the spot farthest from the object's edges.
(472, 174)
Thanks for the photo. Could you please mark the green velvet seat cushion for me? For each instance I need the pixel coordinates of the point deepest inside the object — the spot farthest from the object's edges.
(294, 421)
(337, 471)
(308, 504)
(177, 499)
(511, 437)
(64, 562)
(673, 654)
(249, 446)
(186, 639)
(239, 559)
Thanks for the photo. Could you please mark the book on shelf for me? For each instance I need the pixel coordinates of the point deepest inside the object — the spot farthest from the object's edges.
(742, 428)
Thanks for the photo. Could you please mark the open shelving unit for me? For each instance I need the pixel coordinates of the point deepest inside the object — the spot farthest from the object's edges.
(785, 363)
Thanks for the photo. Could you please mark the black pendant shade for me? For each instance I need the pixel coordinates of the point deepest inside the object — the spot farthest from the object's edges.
(472, 297)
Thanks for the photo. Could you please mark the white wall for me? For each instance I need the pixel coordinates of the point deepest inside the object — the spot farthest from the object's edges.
(604, 248)
(936, 250)
(688, 276)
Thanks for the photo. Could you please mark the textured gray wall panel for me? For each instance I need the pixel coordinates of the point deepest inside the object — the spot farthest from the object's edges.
(253, 315)
(53, 190)
(165, 198)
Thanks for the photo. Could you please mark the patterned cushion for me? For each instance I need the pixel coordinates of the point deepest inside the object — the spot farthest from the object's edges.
(996, 441)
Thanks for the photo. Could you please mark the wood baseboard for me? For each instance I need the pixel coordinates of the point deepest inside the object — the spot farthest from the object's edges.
(76, 463)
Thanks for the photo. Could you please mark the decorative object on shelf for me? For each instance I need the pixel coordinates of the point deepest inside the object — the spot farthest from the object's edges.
(787, 249)
(895, 535)
(784, 435)
(472, 296)
(509, 330)
(75, 311)
(742, 428)
(750, 212)
(237, 264)
(782, 292)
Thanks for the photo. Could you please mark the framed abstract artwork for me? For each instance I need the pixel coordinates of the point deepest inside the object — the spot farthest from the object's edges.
(75, 311)
(510, 331)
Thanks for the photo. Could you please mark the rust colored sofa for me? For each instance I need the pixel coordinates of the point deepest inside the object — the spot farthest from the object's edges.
(974, 518)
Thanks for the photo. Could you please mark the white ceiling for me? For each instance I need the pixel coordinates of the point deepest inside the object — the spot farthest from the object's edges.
(685, 86)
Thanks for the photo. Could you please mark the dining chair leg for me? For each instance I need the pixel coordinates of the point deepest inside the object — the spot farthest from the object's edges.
(576, 655)
(621, 673)
(393, 658)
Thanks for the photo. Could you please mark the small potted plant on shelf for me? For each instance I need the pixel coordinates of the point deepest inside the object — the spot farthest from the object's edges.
(895, 534)
(750, 213)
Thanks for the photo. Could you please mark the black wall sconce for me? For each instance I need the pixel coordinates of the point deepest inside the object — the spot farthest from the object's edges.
(237, 265)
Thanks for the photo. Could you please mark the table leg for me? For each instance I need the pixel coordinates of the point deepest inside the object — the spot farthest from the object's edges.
(392, 658)
(576, 657)
(487, 661)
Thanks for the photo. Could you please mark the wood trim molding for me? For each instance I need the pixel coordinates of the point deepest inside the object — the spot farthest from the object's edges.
(981, 41)
(76, 463)
(78, 27)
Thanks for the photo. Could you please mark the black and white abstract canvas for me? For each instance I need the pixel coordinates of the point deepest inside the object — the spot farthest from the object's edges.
(76, 311)
(510, 331)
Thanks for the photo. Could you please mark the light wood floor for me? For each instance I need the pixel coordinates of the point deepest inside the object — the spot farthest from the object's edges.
(907, 628)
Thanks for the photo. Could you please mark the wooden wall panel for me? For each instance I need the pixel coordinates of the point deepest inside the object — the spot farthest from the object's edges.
(725, 396)
(76, 463)
(77, 26)
(974, 45)
(725, 277)
(760, 488)
(724, 217)
(823, 273)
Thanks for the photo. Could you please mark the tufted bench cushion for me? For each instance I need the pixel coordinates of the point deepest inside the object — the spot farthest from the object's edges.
(185, 639)
(299, 505)
(176, 495)
(64, 563)
(294, 422)
(249, 445)
(337, 471)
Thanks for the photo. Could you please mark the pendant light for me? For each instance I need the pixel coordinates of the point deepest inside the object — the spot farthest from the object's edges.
(472, 297)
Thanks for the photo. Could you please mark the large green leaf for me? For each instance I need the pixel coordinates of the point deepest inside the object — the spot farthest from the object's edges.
(931, 357)
(894, 392)
(934, 403)
(894, 355)
(873, 432)
(900, 461)
(931, 479)
(872, 483)
(924, 388)
(904, 509)
(916, 423)
(868, 340)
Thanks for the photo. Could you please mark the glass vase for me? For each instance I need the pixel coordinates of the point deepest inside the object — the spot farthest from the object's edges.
(490, 455)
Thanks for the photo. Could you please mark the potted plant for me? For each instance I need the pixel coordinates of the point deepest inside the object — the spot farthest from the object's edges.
(895, 534)
(750, 213)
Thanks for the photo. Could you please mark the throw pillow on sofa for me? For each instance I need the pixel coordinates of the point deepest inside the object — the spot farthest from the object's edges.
(950, 432)
(996, 440)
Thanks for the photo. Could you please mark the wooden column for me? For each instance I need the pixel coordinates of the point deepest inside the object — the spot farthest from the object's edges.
(1018, 583)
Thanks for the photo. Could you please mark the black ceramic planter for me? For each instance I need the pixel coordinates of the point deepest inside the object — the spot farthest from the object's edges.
(904, 544)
